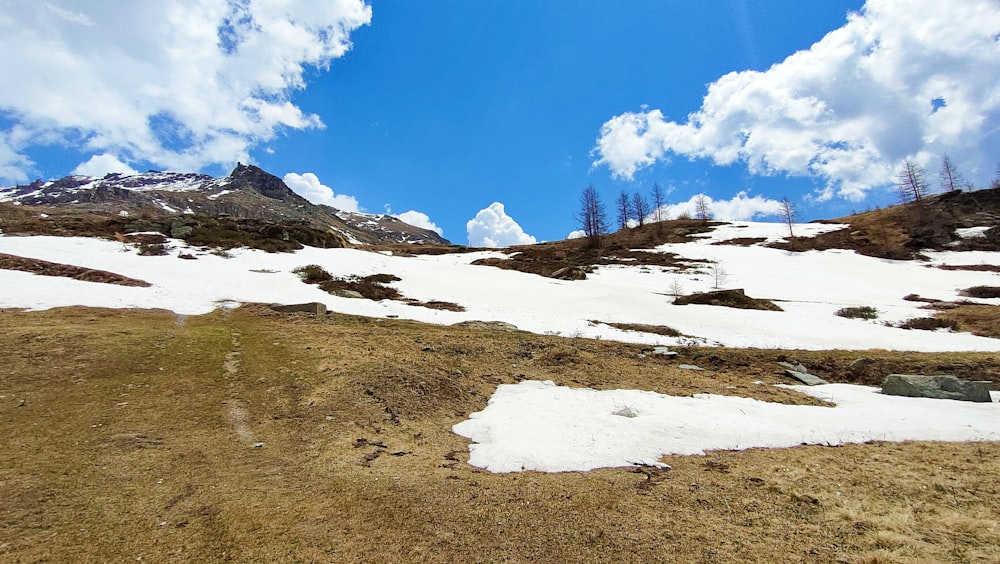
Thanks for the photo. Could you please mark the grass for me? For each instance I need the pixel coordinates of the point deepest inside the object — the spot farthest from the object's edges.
(134, 440)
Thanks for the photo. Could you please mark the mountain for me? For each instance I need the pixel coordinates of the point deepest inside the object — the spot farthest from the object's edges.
(248, 198)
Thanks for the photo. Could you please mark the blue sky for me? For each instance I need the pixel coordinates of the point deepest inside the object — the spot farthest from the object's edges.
(437, 110)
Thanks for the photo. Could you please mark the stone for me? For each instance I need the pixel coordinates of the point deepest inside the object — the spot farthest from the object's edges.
(937, 386)
(800, 373)
(352, 294)
(664, 351)
(311, 307)
(570, 273)
(689, 367)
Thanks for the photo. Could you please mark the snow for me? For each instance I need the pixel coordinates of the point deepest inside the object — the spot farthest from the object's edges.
(540, 426)
(809, 286)
(773, 232)
(973, 232)
(219, 194)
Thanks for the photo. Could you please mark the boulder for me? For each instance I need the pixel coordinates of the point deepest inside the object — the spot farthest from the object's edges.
(311, 307)
(939, 387)
(727, 298)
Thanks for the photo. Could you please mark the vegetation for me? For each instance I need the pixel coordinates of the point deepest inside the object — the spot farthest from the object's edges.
(858, 312)
(152, 452)
(982, 292)
(929, 324)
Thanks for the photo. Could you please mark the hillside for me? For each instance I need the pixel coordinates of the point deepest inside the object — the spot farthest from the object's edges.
(431, 406)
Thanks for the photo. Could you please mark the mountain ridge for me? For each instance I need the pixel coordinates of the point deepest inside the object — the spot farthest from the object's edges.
(249, 193)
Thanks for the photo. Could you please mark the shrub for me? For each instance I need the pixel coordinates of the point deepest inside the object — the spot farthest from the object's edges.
(929, 324)
(984, 292)
(313, 274)
(859, 312)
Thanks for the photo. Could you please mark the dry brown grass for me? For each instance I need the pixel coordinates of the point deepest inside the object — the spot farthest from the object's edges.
(136, 439)
(982, 320)
(46, 268)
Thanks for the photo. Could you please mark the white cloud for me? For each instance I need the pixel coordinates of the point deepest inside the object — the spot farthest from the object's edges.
(419, 219)
(578, 234)
(99, 165)
(492, 227)
(848, 109)
(739, 208)
(181, 84)
(309, 187)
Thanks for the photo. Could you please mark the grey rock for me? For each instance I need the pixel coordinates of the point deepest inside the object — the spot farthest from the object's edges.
(311, 307)
(801, 374)
(570, 273)
(938, 386)
(689, 367)
(664, 351)
(806, 378)
(348, 294)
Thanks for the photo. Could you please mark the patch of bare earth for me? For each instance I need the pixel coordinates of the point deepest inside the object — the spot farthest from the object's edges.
(125, 436)
(45, 268)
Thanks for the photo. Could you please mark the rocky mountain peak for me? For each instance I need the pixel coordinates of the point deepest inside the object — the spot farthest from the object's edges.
(251, 177)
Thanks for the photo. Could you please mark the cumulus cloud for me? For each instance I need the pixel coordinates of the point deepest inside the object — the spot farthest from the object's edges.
(914, 79)
(740, 207)
(102, 164)
(492, 227)
(578, 234)
(180, 84)
(309, 187)
(419, 219)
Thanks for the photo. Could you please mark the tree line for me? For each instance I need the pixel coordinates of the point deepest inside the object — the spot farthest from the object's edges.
(911, 183)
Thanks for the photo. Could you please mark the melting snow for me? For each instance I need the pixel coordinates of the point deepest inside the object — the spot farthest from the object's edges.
(540, 426)
(809, 286)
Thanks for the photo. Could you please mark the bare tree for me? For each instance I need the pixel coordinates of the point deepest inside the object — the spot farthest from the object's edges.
(996, 178)
(911, 182)
(676, 288)
(659, 199)
(624, 208)
(718, 274)
(787, 213)
(951, 179)
(592, 218)
(641, 208)
(701, 208)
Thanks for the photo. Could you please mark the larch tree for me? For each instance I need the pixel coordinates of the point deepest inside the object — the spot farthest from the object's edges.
(951, 179)
(659, 199)
(640, 207)
(911, 182)
(623, 206)
(592, 217)
(787, 213)
(702, 209)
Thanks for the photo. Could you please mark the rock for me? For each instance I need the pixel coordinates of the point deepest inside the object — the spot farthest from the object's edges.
(487, 325)
(570, 273)
(800, 373)
(311, 307)
(806, 378)
(352, 294)
(664, 351)
(938, 387)
(689, 367)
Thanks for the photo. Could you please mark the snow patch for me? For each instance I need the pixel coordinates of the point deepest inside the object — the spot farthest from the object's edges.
(540, 426)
